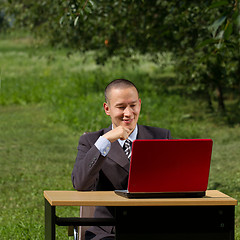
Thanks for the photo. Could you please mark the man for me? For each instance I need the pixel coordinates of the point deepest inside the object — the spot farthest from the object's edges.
(101, 162)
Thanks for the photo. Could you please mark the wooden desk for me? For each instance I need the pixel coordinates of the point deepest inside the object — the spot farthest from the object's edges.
(210, 217)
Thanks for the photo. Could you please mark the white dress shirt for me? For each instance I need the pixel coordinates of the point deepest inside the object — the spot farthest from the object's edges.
(104, 145)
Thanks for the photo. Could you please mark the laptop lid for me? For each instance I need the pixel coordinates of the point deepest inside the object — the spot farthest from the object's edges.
(170, 165)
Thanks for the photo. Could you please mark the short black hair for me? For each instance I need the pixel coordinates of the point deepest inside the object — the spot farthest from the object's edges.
(118, 83)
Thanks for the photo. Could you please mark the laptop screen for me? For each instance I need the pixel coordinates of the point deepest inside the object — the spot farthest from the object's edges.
(170, 165)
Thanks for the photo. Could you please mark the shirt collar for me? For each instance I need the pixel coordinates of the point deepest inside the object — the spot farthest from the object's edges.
(132, 136)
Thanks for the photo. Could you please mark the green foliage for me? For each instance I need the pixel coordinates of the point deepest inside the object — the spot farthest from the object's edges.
(47, 100)
(203, 36)
(41, 75)
(74, 89)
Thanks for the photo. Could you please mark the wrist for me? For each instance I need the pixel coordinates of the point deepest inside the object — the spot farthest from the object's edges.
(109, 137)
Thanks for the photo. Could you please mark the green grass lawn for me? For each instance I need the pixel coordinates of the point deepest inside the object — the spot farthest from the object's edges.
(35, 156)
(46, 101)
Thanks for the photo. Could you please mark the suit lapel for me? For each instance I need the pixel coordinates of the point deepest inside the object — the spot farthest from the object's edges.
(117, 154)
(143, 133)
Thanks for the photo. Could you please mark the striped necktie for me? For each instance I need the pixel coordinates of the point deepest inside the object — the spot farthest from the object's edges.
(127, 148)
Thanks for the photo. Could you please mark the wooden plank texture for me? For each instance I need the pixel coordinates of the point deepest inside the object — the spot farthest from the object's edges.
(109, 198)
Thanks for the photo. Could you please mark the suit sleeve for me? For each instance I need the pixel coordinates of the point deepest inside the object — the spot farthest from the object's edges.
(88, 163)
(164, 134)
(169, 134)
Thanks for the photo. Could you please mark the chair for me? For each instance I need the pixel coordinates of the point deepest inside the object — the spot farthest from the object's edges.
(85, 211)
(79, 231)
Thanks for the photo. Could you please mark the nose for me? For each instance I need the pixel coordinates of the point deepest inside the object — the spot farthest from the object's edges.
(127, 111)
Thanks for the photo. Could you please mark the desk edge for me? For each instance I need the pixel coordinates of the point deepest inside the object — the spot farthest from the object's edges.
(229, 202)
(45, 194)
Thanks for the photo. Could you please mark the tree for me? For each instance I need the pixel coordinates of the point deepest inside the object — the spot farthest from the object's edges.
(204, 38)
(202, 35)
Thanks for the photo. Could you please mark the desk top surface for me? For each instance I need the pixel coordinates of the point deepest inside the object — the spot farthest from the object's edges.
(109, 198)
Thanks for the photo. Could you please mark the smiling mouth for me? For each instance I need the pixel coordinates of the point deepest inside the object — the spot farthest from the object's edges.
(127, 120)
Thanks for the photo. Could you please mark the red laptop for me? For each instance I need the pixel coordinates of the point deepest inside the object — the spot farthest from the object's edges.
(169, 168)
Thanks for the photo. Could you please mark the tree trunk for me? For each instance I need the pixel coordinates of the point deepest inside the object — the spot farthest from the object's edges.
(221, 105)
(209, 101)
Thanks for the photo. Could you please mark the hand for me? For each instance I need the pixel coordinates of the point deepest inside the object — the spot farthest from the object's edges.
(116, 133)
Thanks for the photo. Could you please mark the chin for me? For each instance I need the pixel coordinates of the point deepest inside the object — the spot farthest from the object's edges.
(130, 127)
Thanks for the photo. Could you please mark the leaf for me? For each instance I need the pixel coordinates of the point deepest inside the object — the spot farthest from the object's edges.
(228, 31)
(91, 3)
(220, 35)
(218, 4)
(88, 10)
(219, 45)
(76, 21)
(80, 12)
(238, 21)
(214, 27)
(235, 15)
(206, 42)
(61, 20)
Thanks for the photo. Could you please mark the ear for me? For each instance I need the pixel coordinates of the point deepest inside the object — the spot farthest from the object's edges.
(106, 108)
(140, 103)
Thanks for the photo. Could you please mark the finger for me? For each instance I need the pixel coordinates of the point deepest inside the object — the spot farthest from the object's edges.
(127, 131)
(123, 138)
(125, 134)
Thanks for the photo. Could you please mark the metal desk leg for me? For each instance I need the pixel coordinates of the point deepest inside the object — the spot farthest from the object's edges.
(50, 221)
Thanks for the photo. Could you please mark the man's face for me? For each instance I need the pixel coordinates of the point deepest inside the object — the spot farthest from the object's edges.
(123, 107)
